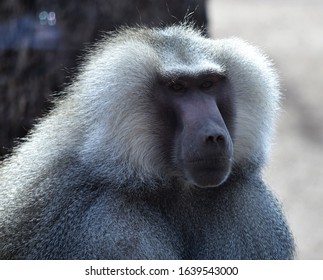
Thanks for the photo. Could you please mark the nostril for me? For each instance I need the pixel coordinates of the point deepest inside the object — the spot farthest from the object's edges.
(214, 139)
(209, 139)
(220, 139)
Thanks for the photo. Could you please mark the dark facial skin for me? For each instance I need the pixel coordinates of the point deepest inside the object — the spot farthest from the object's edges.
(200, 112)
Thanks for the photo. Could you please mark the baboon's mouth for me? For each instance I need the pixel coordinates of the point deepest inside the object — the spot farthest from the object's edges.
(207, 171)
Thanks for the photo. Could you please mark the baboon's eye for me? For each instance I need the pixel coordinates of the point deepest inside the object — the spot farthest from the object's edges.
(176, 87)
(206, 85)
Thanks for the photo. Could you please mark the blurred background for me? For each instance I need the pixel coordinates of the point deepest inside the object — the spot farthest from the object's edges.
(41, 42)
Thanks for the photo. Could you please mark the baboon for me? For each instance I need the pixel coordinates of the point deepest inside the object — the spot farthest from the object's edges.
(154, 152)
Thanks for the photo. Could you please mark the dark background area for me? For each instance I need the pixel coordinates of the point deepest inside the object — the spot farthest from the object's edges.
(41, 41)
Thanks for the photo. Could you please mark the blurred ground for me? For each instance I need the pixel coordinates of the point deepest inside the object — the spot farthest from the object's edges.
(291, 33)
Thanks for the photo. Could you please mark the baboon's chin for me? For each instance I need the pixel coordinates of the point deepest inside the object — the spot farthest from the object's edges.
(207, 175)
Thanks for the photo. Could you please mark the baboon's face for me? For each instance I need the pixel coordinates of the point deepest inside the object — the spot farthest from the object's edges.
(199, 111)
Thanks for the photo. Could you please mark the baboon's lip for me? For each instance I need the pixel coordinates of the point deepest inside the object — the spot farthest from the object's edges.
(205, 160)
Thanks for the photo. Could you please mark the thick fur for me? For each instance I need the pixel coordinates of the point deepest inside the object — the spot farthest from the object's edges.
(92, 181)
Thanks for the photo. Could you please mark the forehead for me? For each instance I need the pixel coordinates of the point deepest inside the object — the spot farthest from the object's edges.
(186, 53)
(179, 47)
